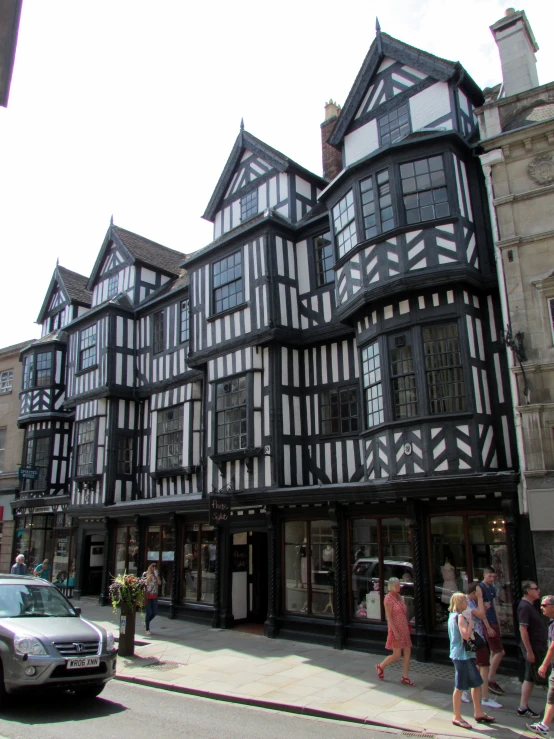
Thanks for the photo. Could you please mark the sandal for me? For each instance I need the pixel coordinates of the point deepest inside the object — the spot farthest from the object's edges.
(380, 672)
(463, 724)
(484, 719)
(407, 681)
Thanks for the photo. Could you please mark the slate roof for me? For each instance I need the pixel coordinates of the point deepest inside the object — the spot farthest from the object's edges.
(539, 112)
(4, 351)
(279, 161)
(149, 252)
(75, 285)
(168, 289)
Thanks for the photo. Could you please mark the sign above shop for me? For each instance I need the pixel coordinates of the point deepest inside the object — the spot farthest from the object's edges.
(28, 473)
(220, 510)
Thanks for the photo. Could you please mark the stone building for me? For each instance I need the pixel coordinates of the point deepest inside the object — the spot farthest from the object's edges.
(517, 135)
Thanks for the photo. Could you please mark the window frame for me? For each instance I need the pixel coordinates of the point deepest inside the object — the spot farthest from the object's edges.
(113, 285)
(6, 381)
(342, 222)
(44, 375)
(431, 189)
(378, 371)
(179, 432)
(30, 460)
(124, 450)
(466, 402)
(394, 346)
(381, 123)
(198, 571)
(324, 275)
(249, 205)
(93, 422)
(243, 419)
(87, 345)
(339, 389)
(158, 332)
(184, 321)
(218, 286)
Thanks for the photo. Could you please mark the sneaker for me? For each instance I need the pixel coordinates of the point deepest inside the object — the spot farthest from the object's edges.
(148, 632)
(465, 697)
(495, 688)
(539, 729)
(491, 703)
(528, 713)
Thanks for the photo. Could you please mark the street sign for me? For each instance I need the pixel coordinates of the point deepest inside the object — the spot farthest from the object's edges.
(220, 510)
(28, 473)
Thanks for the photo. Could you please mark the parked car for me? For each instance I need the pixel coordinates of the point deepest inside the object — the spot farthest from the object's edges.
(365, 576)
(45, 644)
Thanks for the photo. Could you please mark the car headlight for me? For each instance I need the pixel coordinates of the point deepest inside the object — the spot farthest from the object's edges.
(110, 641)
(28, 645)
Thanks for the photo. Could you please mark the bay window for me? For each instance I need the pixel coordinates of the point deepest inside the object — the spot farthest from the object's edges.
(345, 224)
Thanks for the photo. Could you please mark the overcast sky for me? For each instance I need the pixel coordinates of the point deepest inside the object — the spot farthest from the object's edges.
(131, 108)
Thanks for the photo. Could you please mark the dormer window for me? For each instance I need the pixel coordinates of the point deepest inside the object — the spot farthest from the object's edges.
(345, 224)
(113, 285)
(424, 190)
(394, 125)
(249, 205)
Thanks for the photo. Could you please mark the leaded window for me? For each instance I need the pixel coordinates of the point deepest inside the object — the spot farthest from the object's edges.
(377, 210)
(43, 369)
(403, 379)
(394, 125)
(323, 249)
(86, 438)
(424, 189)
(345, 224)
(158, 343)
(373, 387)
(170, 438)
(6, 381)
(28, 371)
(339, 411)
(443, 368)
(124, 455)
(113, 282)
(184, 331)
(227, 280)
(87, 348)
(249, 205)
(231, 415)
(37, 455)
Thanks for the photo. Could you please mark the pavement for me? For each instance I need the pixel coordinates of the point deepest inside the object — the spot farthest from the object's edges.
(307, 679)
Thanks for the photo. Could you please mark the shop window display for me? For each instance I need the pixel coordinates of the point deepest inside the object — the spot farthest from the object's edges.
(199, 563)
(309, 567)
(379, 549)
(160, 550)
(461, 547)
(63, 564)
(126, 550)
(34, 539)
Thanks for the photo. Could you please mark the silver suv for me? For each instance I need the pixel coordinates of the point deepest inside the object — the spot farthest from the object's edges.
(44, 642)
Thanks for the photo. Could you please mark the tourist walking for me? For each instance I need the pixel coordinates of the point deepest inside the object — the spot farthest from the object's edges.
(398, 638)
(543, 727)
(532, 630)
(492, 635)
(153, 583)
(19, 568)
(467, 677)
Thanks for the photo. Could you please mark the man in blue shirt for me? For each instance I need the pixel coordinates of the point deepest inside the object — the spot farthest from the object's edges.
(543, 727)
(492, 634)
(43, 570)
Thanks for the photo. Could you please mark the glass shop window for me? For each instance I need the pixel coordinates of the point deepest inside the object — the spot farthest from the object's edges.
(379, 549)
(63, 561)
(160, 550)
(126, 550)
(199, 562)
(309, 567)
(461, 546)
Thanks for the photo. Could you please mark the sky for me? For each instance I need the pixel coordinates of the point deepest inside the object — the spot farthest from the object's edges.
(130, 108)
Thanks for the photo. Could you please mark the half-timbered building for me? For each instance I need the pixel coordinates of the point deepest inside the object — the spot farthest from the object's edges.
(330, 365)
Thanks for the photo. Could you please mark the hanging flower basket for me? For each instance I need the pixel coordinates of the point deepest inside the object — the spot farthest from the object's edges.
(127, 592)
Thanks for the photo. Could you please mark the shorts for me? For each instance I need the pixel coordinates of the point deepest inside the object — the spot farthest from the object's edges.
(532, 670)
(467, 675)
(482, 656)
(494, 642)
(550, 697)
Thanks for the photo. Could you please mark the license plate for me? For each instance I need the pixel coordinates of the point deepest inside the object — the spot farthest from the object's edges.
(79, 662)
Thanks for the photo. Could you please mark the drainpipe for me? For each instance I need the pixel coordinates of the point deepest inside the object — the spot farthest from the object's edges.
(496, 156)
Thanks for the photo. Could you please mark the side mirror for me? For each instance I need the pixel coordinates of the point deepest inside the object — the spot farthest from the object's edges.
(77, 610)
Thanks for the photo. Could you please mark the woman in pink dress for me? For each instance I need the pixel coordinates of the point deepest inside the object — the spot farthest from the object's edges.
(398, 639)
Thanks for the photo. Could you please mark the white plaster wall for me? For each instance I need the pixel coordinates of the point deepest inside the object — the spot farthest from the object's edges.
(361, 142)
(429, 104)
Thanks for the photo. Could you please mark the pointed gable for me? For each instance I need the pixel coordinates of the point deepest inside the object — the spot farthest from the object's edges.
(66, 287)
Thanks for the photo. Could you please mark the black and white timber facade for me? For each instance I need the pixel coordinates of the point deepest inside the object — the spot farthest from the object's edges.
(331, 363)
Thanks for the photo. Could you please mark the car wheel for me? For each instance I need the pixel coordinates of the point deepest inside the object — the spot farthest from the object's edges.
(89, 692)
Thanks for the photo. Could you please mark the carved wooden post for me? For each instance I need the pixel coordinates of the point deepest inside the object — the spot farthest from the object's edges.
(339, 579)
(421, 583)
(270, 624)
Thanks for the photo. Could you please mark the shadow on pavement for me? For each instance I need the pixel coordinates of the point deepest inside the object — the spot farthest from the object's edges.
(57, 707)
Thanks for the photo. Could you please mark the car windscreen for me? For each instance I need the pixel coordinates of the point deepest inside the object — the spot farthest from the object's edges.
(18, 599)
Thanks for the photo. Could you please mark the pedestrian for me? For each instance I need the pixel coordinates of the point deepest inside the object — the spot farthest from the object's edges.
(153, 583)
(19, 568)
(467, 677)
(533, 643)
(398, 638)
(476, 606)
(494, 639)
(43, 570)
(543, 727)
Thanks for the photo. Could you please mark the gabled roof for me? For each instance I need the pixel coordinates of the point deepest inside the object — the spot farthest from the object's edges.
(386, 46)
(72, 284)
(137, 249)
(277, 160)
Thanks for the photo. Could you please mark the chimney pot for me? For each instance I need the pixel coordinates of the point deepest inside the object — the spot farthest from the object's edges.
(510, 11)
(516, 46)
(332, 157)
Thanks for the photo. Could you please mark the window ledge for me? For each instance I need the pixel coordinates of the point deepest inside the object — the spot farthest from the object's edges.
(247, 453)
(436, 418)
(227, 312)
(86, 478)
(80, 372)
(159, 475)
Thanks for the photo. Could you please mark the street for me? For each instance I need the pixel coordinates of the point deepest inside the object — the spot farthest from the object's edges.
(139, 712)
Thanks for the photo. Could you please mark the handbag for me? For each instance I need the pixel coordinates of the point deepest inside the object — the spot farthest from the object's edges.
(475, 643)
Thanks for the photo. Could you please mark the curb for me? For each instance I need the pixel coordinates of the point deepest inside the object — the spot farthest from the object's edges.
(260, 703)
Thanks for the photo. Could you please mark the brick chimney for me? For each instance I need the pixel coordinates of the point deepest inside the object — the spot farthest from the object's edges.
(332, 157)
(517, 46)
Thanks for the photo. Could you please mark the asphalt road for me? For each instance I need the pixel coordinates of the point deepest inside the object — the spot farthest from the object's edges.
(127, 711)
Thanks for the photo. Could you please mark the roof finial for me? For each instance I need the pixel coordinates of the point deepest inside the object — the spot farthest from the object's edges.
(111, 220)
(57, 261)
(378, 36)
(377, 25)
(242, 124)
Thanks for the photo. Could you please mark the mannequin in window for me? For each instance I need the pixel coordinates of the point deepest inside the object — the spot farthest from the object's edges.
(302, 564)
(449, 581)
(327, 556)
